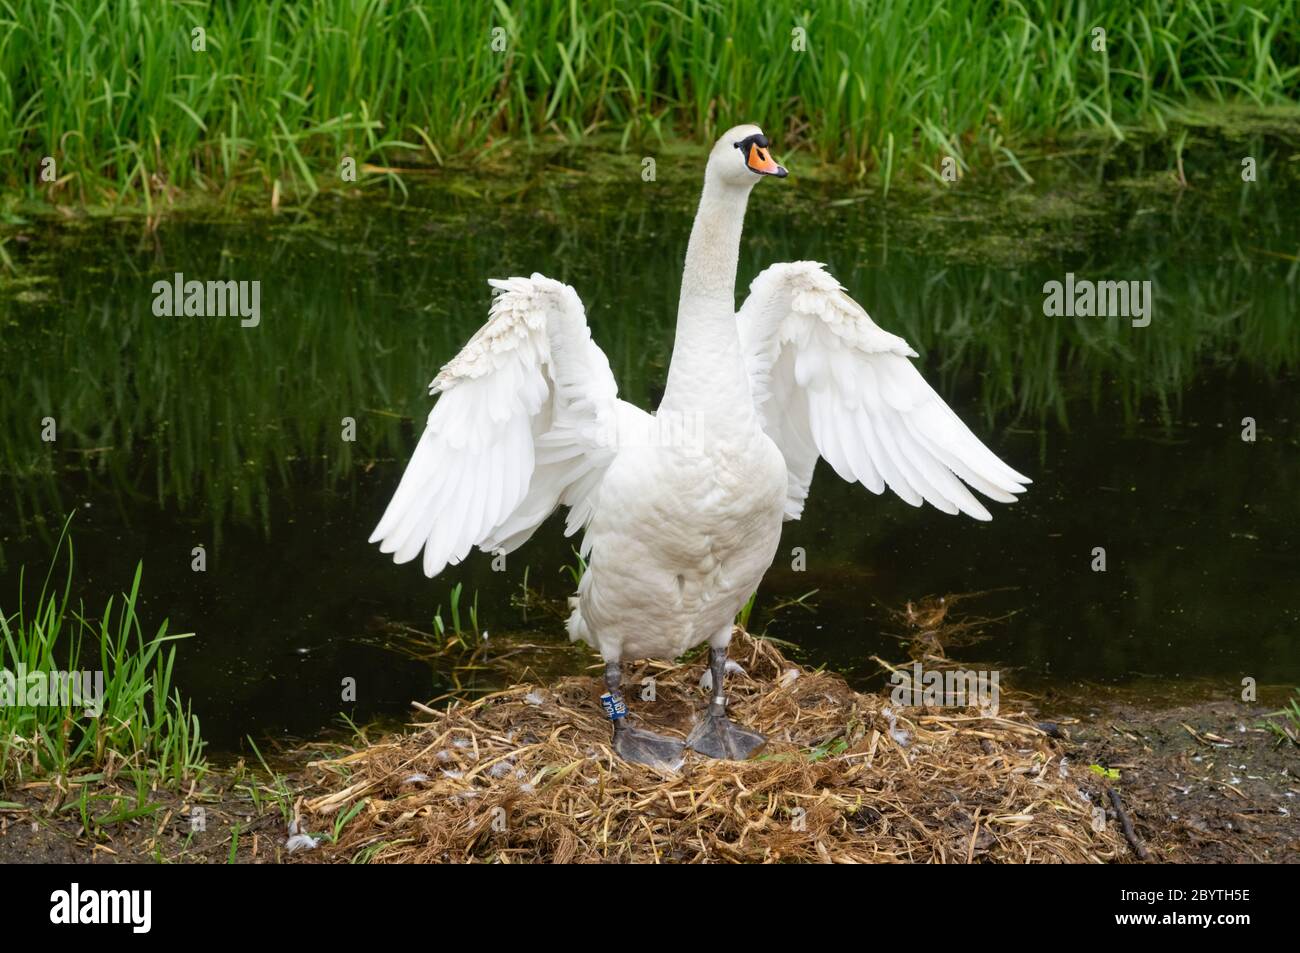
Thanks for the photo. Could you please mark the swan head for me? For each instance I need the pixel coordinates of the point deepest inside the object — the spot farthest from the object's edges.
(742, 157)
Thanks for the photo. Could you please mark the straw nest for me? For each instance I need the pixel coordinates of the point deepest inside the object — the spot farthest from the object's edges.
(527, 774)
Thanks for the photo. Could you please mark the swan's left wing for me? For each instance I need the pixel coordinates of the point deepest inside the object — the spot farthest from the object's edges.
(828, 381)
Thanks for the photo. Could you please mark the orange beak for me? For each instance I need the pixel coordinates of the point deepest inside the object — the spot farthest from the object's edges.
(760, 161)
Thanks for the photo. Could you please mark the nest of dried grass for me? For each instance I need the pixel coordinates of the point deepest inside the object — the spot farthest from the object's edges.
(527, 774)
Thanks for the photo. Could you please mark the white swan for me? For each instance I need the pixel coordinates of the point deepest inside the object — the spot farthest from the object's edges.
(682, 510)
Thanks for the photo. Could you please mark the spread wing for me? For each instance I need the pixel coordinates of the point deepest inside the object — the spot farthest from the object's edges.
(828, 381)
(522, 425)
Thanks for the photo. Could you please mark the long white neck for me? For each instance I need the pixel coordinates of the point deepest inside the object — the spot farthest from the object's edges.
(707, 371)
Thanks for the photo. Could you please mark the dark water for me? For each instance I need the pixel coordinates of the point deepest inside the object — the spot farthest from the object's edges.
(180, 432)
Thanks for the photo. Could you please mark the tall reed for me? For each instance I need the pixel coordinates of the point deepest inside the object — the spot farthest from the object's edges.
(117, 95)
(141, 726)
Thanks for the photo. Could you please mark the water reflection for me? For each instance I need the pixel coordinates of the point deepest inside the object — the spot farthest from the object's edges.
(176, 432)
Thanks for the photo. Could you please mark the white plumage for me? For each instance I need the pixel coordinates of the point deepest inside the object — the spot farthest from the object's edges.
(516, 431)
(828, 381)
(682, 511)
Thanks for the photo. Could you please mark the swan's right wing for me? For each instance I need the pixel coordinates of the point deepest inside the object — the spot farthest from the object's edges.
(522, 426)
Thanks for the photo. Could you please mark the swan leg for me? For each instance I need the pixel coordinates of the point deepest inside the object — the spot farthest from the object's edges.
(716, 736)
(635, 744)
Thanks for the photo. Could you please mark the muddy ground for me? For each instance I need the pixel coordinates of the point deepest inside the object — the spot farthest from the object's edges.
(1202, 783)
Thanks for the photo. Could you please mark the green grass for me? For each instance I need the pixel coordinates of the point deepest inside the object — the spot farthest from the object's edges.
(131, 113)
(742, 617)
(460, 635)
(143, 730)
(1285, 722)
(746, 612)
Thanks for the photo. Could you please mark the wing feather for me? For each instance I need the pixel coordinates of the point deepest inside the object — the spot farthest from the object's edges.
(511, 435)
(828, 381)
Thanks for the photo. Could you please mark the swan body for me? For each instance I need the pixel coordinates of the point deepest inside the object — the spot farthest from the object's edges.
(681, 510)
(716, 511)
